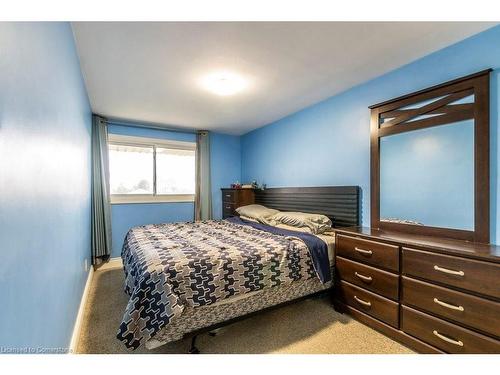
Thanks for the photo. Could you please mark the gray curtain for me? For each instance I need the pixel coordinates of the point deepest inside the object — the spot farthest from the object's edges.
(101, 215)
(203, 196)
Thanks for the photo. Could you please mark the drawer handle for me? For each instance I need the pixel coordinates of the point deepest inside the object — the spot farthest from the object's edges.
(228, 207)
(228, 195)
(447, 339)
(448, 271)
(448, 305)
(363, 277)
(366, 303)
(363, 251)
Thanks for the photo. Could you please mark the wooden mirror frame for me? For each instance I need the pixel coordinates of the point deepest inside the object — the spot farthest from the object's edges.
(475, 84)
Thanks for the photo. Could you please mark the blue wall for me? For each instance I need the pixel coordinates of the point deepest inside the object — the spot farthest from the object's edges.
(225, 160)
(328, 143)
(45, 123)
(225, 166)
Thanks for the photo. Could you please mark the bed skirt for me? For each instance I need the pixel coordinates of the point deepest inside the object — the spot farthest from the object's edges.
(194, 319)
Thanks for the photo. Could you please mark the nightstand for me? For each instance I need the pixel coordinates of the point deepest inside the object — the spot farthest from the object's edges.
(234, 198)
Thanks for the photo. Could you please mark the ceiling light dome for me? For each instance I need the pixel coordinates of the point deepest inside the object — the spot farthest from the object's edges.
(224, 83)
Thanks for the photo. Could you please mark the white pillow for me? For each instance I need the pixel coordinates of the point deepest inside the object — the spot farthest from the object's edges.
(315, 222)
(257, 212)
(248, 219)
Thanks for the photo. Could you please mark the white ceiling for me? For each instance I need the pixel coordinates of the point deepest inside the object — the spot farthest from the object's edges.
(150, 71)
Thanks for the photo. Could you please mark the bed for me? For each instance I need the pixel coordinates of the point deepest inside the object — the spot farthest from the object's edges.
(184, 278)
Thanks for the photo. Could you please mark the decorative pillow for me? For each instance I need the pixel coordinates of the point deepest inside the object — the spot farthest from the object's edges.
(258, 213)
(315, 222)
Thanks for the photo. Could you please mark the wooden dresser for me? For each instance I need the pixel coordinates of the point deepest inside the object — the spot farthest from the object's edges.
(234, 198)
(433, 295)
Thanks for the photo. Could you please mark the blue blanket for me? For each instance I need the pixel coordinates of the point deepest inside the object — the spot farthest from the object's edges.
(318, 249)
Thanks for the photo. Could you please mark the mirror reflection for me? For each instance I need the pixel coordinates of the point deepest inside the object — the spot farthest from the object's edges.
(427, 176)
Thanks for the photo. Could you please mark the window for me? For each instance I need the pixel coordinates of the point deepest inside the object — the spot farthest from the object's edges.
(131, 169)
(146, 170)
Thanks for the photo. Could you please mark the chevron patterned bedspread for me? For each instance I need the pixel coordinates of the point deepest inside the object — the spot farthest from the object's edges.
(170, 266)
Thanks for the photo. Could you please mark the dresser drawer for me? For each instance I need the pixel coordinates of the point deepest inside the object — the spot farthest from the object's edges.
(463, 273)
(371, 252)
(475, 312)
(229, 196)
(368, 302)
(228, 209)
(373, 279)
(445, 336)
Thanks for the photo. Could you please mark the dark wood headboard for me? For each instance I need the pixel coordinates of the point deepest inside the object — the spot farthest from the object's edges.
(340, 203)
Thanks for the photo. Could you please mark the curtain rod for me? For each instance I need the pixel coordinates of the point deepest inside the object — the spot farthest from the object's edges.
(150, 126)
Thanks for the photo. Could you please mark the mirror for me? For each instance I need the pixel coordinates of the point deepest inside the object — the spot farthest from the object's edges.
(430, 161)
(427, 177)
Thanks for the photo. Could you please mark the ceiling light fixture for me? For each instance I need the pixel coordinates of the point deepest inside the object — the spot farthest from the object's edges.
(224, 83)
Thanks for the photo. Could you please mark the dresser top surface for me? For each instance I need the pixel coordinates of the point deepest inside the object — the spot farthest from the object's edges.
(467, 249)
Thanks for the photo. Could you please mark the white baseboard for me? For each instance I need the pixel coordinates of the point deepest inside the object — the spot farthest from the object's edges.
(79, 317)
(113, 263)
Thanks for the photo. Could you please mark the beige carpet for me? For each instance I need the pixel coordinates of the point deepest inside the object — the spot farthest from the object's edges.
(310, 326)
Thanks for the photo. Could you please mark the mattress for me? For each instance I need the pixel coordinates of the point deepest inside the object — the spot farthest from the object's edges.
(329, 239)
(194, 319)
(172, 268)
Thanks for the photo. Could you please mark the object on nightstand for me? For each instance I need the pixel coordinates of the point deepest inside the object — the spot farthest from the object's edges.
(255, 185)
(236, 185)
